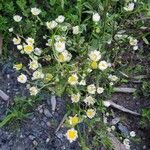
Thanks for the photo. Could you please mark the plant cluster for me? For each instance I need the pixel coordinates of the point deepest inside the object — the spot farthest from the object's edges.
(74, 52)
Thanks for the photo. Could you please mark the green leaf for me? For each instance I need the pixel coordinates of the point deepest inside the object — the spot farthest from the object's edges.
(22, 6)
(52, 2)
(7, 119)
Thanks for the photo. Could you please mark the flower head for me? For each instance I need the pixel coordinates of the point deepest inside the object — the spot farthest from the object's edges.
(51, 25)
(11, 29)
(129, 7)
(37, 51)
(75, 97)
(94, 65)
(100, 90)
(34, 90)
(96, 17)
(17, 18)
(91, 89)
(89, 100)
(16, 41)
(60, 19)
(95, 55)
(72, 135)
(76, 30)
(28, 49)
(90, 113)
(106, 103)
(112, 77)
(18, 66)
(30, 41)
(33, 65)
(65, 56)
(133, 41)
(73, 79)
(35, 11)
(132, 134)
(22, 78)
(59, 46)
(73, 120)
(103, 65)
(37, 75)
(19, 47)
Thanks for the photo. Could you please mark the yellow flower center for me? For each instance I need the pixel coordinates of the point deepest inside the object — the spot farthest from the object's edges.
(94, 64)
(48, 77)
(90, 113)
(18, 66)
(72, 80)
(61, 58)
(28, 49)
(72, 134)
(74, 120)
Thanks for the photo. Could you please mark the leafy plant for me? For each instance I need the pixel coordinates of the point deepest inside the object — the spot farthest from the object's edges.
(73, 48)
(21, 109)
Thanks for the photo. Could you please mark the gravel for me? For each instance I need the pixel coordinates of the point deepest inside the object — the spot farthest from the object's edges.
(37, 132)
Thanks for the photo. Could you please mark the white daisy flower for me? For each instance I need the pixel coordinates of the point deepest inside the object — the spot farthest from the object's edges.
(89, 100)
(60, 19)
(103, 65)
(90, 113)
(35, 11)
(129, 7)
(51, 25)
(76, 30)
(17, 18)
(96, 17)
(60, 46)
(94, 55)
(22, 78)
(91, 89)
(33, 90)
(100, 90)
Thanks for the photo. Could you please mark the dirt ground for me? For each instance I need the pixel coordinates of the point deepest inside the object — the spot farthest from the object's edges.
(38, 131)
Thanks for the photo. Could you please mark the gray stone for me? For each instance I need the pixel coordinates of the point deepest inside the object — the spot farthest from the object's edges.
(18, 146)
(5, 147)
(115, 120)
(4, 96)
(124, 130)
(31, 137)
(35, 143)
(47, 113)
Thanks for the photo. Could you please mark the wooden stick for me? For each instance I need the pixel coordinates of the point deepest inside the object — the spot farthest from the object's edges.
(119, 107)
(124, 90)
(62, 121)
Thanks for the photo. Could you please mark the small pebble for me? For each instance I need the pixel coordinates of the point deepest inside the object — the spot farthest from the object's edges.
(8, 76)
(115, 120)
(47, 113)
(31, 137)
(35, 143)
(60, 135)
(144, 147)
(48, 124)
(40, 109)
(8, 91)
(47, 140)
